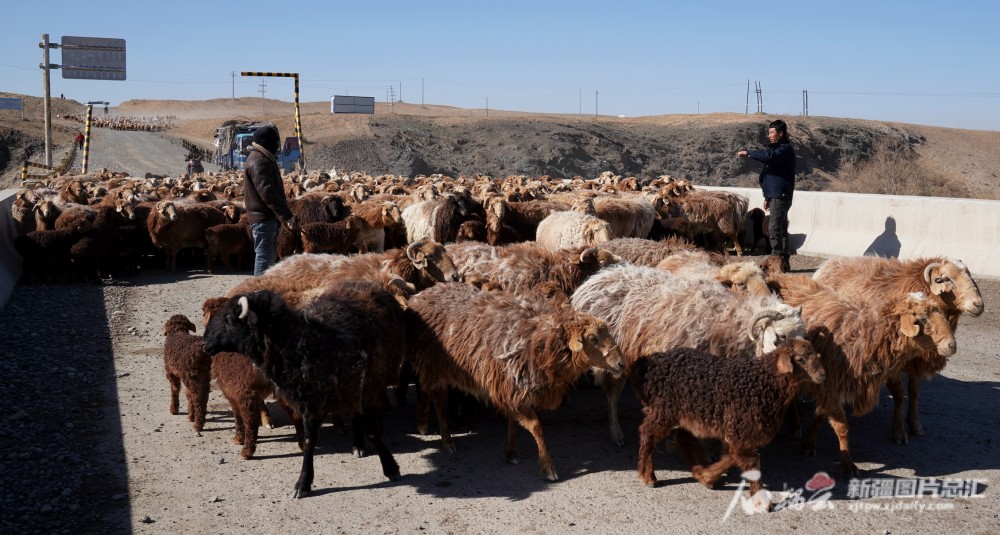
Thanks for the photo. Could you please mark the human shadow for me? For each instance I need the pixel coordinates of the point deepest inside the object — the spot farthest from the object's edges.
(886, 244)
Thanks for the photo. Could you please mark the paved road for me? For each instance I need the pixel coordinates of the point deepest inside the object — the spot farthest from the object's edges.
(137, 153)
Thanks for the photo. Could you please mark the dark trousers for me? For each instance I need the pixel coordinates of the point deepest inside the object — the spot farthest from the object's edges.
(778, 227)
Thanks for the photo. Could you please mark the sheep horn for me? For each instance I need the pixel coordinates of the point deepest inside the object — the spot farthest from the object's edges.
(411, 247)
(927, 270)
(767, 314)
(244, 307)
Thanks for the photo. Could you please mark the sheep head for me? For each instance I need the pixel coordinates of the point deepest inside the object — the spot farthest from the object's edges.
(923, 320)
(797, 356)
(233, 326)
(496, 209)
(167, 210)
(597, 231)
(951, 281)
(333, 204)
(391, 213)
(125, 209)
(178, 323)
(430, 257)
(590, 337)
(778, 322)
(597, 258)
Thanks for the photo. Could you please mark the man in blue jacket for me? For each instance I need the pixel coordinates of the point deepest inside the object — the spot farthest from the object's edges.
(777, 182)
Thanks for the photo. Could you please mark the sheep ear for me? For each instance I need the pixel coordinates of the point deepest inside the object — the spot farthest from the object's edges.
(909, 326)
(784, 362)
(575, 340)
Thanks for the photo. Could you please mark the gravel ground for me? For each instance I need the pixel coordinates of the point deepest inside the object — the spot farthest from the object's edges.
(89, 447)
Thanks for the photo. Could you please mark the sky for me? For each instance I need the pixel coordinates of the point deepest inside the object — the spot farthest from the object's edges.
(921, 62)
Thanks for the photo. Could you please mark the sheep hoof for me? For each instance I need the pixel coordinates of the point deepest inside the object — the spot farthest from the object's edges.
(449, 447)
(422, 429)
(512, 457)
(302, 493)
(359, 452)
(916, 428)
(899, 437)
(550, 474)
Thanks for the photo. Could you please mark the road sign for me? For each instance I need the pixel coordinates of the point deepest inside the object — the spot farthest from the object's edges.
(93, 58)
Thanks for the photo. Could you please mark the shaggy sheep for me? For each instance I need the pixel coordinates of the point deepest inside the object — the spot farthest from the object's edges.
(378, 215)
(512, 222)
(568, 230)
(46, 254)
(174, 226)
(643, 252)
(714, 213)
(228, 241)
(862, 347)
(628, 217)
(436, 219)
(863, 278)
(649, 310)
(522, 266)
(333, 355)
(521, 352)
(185, 362)
(741, 401)
(341, 237)
(245, 388)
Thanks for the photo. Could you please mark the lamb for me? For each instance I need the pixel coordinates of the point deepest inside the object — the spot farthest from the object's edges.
(436, 219)
(310, 208)
(185, 362)
(513, 222)
(245, 388)
(522, 266)
(175, 226)
(378, 215)
(862, 278)
(862, 347)
(229, 240)
(521, 352)
(741, 401)
(340, 237)
(335, 354)
(566, 230)
(649, 310)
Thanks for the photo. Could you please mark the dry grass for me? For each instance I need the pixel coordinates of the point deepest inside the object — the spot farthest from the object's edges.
(894, 170)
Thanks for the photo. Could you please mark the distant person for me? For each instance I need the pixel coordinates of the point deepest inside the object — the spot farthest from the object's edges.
(264, 196)
(777, 182)
(62, 96)
(105, 110)
(79, 140)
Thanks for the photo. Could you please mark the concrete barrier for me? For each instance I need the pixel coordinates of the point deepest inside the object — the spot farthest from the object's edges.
(905, 227)
(10, 261)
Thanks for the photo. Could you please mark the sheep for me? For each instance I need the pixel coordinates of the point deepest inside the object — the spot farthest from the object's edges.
(566, 230)
(759, 223)
(333, 355)
(512, 222)
(521, 352)
(340, 237)
(22, 212)
(522, 266)
(46, 213)
(472, 230)
(174, 226)
(71, 213)
(862, 347)
(649, 310)
(863, 278)
(643, 252)
(229, 240)
(46, 254)
(720, 216)
(628, 217)
(310, 208)
(185, 362)
(92, 254)
(245, 388)
(741, 401)
(378, 215)
(436, 219)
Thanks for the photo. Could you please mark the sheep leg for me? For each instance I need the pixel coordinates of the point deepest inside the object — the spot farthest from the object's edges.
(509, 445)
(358, 431)
(794, 416)
(809, 442)
(311, 422)
(423, 412)
(199, 396)
(651, 432)
(175, 392)
(689, 447)
(895, 386)
(747, 460)
(913, 418)
(238, 421)
(613, 389)
(372, 424)
(251, 424)
(528, 419)
(838, 420)
(708, 476)
(439, 398)
(265, 416)
(296, 421)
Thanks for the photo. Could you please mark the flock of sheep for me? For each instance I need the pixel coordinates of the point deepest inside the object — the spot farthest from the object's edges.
(510, 290)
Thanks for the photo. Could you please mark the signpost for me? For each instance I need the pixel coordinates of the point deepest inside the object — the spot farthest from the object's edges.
(86, 58)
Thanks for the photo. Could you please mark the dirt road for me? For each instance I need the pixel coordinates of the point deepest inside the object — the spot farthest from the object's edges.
(89, 446)
(136, 152)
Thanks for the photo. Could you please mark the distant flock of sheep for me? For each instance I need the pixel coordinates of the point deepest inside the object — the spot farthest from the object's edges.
(510, 290)
(156, 123)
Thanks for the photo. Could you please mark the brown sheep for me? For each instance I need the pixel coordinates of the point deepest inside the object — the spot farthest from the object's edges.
(741, 401)
(341, 237)
(862, 347)
(185, 362)
(949, 280)
(521, 352)
(176, 225)
(643, 252)
(227, 241)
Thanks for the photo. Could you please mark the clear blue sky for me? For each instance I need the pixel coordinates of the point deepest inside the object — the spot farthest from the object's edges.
(933, 63)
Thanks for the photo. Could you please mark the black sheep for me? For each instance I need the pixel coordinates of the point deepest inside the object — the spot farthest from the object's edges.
(332, 355)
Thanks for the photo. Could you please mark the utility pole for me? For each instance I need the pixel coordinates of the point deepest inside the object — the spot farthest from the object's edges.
(47, 106)
(596, 102)
(747, 110)
(805, 102)
(580, 97)
(262, 90)
(421, 92)
(232, 74)
(760, 97)
(400, 91)
(392, 95)
(487, 106)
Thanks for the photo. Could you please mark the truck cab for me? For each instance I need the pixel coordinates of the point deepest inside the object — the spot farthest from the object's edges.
(287, 155)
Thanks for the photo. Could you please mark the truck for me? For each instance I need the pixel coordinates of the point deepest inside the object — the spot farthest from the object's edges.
(232, 145)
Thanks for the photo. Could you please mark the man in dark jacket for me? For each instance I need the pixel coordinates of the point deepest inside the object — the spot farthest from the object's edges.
(777, 182)
(264, 196)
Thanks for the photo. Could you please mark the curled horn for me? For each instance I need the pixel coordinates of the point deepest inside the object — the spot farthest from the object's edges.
(927, 271)
(772, 315)
(244, 307)
(411, 247)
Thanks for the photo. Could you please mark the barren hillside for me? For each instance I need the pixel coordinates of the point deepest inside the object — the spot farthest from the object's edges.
(406, 139)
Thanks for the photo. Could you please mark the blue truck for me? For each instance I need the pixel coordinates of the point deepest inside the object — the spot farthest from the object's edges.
(233, 141)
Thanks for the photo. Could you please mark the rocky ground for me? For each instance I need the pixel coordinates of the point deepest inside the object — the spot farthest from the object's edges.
(88, 445)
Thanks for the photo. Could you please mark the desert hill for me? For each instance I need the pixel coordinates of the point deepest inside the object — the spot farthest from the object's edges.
(405, 139)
